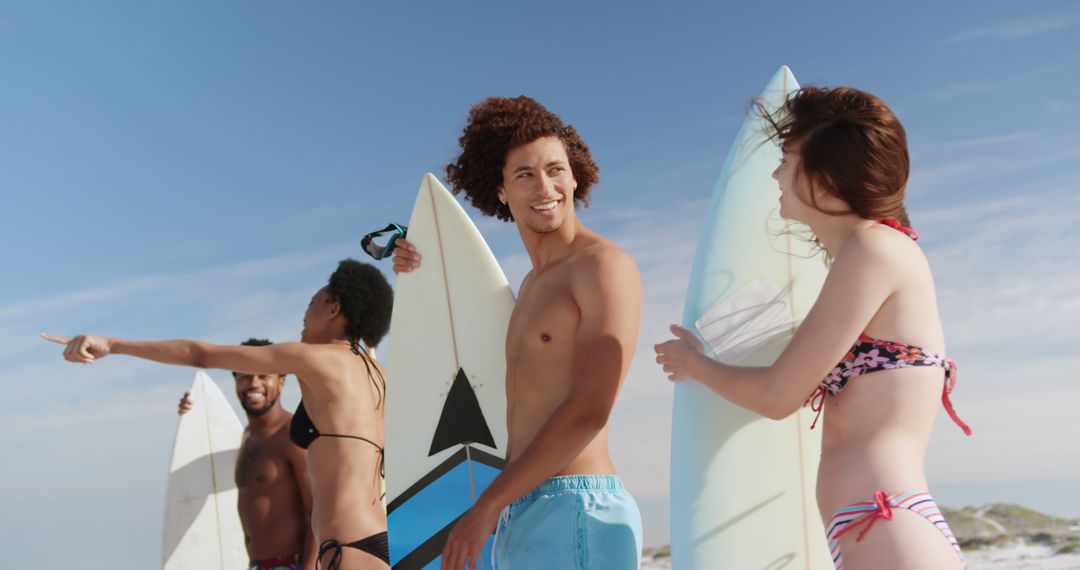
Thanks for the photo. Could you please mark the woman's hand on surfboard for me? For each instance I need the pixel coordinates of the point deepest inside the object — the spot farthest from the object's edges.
(84, 349)
(465, 545)
(406, 258)
(185, 404)
(679, 356)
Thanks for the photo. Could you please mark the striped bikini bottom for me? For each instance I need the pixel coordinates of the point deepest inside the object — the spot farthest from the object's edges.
(865, 514)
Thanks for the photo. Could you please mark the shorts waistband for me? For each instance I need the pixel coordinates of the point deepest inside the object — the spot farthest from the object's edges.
(571, 483)
(285, 561)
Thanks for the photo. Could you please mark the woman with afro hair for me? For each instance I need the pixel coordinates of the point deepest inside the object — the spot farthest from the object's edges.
(343, 391)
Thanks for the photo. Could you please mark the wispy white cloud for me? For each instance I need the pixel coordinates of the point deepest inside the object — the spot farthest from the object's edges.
(214, 278)
(973, 142)
(1017, 29)
(1006, 81)
(635, 148)
(1010, 304)
(91, 470)
(61, 417)
(1023, 424)
(264, 298)
(965, 89)
(1058, 106)
(945, 167)
(1002, 272)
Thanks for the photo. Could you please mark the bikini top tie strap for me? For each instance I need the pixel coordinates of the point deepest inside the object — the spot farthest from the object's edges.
(816, 401)
(378, 449)
(951, 375)
(896, 225)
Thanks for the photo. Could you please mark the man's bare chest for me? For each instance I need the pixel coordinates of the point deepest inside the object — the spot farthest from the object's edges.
(544, 318)
(261, 463)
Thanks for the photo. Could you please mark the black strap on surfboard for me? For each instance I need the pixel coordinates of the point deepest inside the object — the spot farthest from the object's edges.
(377, 251)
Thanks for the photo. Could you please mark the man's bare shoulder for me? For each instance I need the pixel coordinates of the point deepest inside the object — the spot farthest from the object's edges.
(599, 266)
(598, 255)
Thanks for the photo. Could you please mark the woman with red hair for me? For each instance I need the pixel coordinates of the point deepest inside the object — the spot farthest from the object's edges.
(843, 173)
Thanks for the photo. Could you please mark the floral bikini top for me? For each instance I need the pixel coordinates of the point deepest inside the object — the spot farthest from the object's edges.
(871, 355)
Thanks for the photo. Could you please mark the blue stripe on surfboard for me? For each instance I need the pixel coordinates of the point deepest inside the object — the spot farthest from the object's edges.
(435, 506)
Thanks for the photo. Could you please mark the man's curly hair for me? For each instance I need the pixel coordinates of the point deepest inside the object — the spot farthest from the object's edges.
(366, 301)
(496, 125)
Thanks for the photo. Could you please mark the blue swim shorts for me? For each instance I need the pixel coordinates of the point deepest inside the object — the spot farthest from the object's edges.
(575, 522)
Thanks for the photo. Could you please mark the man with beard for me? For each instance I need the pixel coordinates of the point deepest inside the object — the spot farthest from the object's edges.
(271, 476)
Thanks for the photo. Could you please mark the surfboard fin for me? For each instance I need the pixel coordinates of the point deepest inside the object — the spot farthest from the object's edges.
(462, 421)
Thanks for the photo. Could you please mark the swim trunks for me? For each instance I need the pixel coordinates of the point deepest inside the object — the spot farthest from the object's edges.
(575, 522)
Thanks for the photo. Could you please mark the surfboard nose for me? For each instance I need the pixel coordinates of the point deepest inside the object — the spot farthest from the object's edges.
(779, 87)
(430, 182)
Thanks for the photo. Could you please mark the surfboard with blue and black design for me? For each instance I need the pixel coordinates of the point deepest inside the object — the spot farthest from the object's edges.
(446, 397)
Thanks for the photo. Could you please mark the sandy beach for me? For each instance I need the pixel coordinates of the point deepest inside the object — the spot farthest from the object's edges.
(1019, 557)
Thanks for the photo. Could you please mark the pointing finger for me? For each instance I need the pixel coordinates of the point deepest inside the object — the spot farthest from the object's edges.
(56, 339)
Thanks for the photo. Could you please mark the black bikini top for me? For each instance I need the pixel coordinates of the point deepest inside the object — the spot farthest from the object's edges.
(302, 431)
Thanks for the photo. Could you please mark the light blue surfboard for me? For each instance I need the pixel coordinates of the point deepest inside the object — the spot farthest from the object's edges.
(742, 486)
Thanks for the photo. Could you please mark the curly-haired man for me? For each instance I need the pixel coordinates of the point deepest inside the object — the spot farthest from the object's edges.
(558, 503)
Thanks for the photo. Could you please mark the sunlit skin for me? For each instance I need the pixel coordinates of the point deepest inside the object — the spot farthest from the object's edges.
(568, 346)
(274, 490)
(339, 396)
(875, 432)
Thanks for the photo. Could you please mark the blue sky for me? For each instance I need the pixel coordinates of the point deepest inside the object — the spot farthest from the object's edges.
(196, 169)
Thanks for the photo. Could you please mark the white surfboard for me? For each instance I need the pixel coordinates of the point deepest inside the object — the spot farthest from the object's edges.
(446, 393)
(202, 525)
(742, 486)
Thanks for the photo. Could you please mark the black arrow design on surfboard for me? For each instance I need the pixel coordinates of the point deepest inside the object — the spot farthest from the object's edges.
(462, 421)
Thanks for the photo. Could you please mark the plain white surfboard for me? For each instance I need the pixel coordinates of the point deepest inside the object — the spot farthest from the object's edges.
(202, 525)
(742, 486)
(449, 336)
